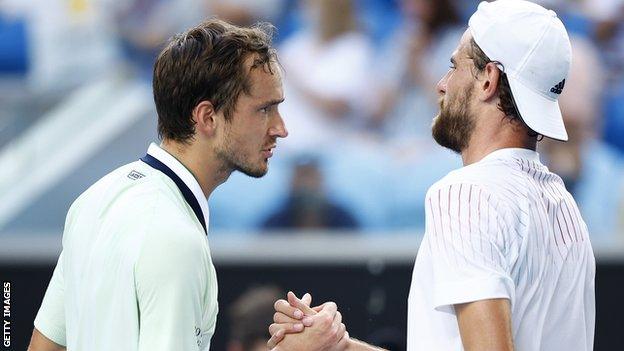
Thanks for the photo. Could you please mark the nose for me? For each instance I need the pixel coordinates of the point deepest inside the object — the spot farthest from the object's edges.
(441, 86)
(278, 130)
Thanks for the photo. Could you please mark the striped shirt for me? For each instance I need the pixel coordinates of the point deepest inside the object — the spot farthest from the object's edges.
(504, 227)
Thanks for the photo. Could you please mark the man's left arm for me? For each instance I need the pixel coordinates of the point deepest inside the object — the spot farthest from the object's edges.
(170, 278)
(49, 323)
(468, 248)
(485, 325)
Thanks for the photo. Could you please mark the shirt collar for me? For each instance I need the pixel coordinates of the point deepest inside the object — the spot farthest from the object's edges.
(184, 174)
(515, 153)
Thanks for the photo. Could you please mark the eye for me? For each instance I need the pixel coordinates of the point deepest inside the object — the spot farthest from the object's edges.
(453, 65)
(266, 109)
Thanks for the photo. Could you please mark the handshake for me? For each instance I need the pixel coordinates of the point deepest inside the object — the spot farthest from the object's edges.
(299, 327)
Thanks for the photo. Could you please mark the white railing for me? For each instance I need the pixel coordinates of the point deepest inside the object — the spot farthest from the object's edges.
(65, 137)
(289, 248)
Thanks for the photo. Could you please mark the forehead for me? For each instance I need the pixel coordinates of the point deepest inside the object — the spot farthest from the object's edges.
(464, 43)
(264, 82)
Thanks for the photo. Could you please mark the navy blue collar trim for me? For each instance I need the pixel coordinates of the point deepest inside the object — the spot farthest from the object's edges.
(184, 189)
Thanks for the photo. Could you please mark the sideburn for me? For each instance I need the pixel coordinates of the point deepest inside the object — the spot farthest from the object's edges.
(454, 125)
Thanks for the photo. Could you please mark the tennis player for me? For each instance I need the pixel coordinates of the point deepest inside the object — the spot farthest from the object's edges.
(135, 272)
(505, 262)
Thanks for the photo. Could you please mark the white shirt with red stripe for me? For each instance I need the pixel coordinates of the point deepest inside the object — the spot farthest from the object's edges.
(504, 227)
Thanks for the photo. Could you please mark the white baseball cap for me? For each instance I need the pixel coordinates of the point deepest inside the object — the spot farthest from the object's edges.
(534, 49)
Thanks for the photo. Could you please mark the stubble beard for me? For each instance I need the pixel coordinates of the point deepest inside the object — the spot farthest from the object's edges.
(454, 125)
(235, 160)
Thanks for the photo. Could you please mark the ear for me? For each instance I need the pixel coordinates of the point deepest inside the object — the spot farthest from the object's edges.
(488, 85)
(206, 119)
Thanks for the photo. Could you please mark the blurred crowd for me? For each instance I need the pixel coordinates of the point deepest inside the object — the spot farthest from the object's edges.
(359, 80)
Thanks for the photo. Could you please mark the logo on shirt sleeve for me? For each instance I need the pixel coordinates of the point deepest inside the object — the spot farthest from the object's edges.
(134, 175)
(558, 89)
(198, 336)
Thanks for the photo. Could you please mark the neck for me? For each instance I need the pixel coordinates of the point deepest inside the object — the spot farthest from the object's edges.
(207, 169)
(482, 144)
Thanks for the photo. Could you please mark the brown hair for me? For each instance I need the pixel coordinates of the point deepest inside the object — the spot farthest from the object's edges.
(506, 103)
(480, 60)
(206, 63)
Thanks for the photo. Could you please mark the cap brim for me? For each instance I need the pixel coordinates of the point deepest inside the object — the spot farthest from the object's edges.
(540, 113)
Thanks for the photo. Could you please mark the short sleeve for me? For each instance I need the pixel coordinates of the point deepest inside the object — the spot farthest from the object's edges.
(50, 320)
(170, 278)
(466, 239)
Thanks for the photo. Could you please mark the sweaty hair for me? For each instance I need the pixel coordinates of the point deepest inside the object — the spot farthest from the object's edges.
(207, 62)
(506, 102)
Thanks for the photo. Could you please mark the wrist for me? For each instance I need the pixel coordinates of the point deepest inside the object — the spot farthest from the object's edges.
(353, 345)
(357, 345)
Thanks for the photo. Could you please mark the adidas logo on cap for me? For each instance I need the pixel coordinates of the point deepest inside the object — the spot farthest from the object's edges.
(557, 89)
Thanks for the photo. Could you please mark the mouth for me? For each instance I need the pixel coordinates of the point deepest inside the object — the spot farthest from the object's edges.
(268, 152)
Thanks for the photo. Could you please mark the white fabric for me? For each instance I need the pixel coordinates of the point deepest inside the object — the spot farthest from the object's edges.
(534, 48)
(504, 227)
(135, 272)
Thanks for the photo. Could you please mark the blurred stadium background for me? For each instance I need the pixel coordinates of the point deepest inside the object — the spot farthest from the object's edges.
(341, 212)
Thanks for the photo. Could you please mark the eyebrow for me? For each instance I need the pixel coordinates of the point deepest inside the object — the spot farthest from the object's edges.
(271, 103)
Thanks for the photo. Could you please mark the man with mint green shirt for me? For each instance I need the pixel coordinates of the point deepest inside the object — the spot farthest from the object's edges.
(136, 272)
(135, 262)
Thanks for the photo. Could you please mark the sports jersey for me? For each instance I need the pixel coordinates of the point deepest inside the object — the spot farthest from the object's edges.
(504, 227)
(135, 272)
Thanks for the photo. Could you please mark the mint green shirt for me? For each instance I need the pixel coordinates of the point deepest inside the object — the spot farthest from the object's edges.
(135, 272)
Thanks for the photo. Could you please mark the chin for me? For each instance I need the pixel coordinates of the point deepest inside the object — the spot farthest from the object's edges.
(255, 172)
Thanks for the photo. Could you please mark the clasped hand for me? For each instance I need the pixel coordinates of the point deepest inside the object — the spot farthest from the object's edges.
(299, 327)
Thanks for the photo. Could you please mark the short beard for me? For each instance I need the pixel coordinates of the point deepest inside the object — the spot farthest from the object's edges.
(236, 161)
(453, 126)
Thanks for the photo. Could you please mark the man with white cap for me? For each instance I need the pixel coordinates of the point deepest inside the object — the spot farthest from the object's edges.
(505, 262)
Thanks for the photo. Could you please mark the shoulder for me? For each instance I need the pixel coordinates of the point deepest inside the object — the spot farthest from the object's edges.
(483, 179)
(479, 174)
(109, 192)
(135, 182)
(126, 178)
(134, 196)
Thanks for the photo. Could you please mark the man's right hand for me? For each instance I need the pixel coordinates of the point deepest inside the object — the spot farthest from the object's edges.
(298, 327)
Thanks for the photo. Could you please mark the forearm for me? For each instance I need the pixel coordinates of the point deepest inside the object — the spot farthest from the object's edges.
(40, 342)
(357, 345)
(485, 325)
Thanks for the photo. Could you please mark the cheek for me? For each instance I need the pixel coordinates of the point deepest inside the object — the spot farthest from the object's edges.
(452, 85)
(251, 139)
(459, 77)
(456, 90)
